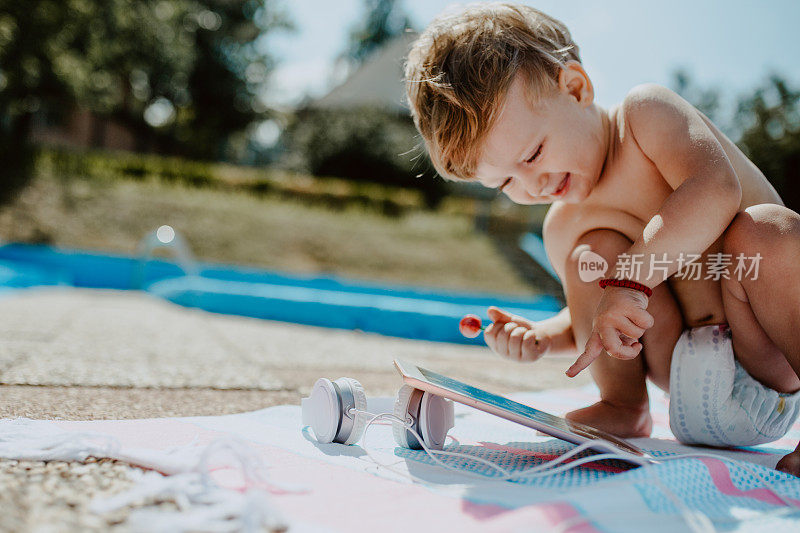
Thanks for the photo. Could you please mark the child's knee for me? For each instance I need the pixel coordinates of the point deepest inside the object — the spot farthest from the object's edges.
(763, 226)
(589, 261)
(605, 243)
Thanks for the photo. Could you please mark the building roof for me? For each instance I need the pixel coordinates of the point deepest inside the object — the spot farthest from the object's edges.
(378, 81)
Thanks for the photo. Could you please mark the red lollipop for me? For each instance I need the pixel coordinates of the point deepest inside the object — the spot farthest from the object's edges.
(470, 326)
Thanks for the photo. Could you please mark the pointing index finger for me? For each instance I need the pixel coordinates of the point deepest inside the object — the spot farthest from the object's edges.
(594, 347)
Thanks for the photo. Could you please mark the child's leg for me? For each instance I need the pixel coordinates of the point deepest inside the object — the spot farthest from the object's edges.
(624, 408)
(763, 311)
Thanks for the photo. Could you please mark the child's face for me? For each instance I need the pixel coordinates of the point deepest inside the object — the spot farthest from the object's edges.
(549, 151)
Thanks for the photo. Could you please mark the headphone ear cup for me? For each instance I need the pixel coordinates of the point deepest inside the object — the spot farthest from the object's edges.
(436, 418)
(359, 419)
(403, 409)
(321, 410)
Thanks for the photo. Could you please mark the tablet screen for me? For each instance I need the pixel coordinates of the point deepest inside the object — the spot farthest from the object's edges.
(540, 420)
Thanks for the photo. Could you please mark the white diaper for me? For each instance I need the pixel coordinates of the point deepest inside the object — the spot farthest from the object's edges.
(714, 401)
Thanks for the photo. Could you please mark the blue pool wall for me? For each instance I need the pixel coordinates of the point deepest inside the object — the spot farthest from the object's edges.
(327, 301)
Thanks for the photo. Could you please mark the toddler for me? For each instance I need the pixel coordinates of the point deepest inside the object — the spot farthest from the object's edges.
(677, 257)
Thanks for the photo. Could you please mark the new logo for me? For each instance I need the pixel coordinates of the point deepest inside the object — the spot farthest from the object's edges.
(591, 266)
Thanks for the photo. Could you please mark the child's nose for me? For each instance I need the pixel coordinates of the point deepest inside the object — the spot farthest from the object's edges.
(538, 185)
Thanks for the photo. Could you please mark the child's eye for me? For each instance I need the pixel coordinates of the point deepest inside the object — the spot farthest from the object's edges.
(534, 156)
(505, 183)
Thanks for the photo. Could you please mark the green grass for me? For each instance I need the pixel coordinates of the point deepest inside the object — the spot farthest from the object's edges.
(419, 247)
(331, 191)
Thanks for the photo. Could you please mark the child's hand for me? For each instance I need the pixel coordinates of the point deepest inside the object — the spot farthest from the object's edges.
(515, 337)
(620, 319)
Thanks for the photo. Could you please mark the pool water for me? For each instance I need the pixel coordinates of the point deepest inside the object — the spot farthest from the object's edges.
(328, 301)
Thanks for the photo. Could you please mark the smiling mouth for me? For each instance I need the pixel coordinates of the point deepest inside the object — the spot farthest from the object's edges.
(562, 186)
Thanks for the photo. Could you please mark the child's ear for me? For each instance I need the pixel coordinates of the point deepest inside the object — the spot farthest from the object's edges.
(573, 81)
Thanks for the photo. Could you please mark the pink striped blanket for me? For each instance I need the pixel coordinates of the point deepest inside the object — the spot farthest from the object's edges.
(261, 467)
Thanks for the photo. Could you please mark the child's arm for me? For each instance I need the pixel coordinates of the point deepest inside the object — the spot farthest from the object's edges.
(707, 193)
(520, 339)
(559, 328)
(706, 197)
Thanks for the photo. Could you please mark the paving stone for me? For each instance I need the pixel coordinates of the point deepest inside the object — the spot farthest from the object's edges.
(87, 355)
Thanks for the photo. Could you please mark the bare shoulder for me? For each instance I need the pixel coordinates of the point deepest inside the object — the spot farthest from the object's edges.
(651, 99)
(651, 110)
(670, 132)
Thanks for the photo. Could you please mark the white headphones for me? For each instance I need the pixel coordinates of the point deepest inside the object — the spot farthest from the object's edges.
(337, 412)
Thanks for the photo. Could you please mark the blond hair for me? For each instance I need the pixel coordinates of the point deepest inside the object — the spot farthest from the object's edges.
(461, 67)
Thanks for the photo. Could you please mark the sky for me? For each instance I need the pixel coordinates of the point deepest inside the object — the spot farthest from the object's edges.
(733, 45)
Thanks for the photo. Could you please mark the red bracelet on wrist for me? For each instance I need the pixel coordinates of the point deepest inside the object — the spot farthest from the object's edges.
(627, 284)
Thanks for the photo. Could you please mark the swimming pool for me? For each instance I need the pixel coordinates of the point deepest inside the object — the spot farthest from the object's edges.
(327, 301)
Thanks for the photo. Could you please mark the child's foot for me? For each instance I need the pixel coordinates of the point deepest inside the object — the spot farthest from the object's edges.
(622, 421)
(790, 463)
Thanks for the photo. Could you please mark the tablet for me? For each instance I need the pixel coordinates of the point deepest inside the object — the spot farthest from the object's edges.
(561, 428)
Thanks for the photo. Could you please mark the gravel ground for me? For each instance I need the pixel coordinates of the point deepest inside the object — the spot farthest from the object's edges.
(88, 355)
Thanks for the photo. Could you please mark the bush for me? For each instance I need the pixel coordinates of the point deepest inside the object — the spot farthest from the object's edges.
(16, 163)
(335, 193)
(98, 164)
(366, 144)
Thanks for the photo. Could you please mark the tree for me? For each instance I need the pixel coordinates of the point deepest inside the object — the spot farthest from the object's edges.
(56, 54)
(230, 72)
(384, 20)
(706, 100)
(765, 125)
(769, 121)
(201, 62)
